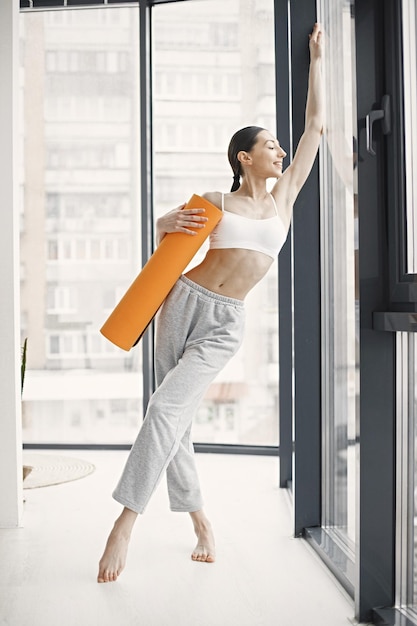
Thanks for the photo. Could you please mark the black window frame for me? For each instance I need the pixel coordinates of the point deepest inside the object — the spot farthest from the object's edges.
(402, 295)
(403, 287)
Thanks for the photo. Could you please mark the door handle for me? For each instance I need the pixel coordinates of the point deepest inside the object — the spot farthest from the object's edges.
(384, 114)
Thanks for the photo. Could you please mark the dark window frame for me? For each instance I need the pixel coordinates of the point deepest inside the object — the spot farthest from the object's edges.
(400, 313)
(403, 285)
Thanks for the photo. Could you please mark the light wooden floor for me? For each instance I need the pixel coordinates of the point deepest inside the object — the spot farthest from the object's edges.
(263, 577)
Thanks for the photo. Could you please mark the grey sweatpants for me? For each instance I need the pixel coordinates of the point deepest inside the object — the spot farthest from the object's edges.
(198, 331)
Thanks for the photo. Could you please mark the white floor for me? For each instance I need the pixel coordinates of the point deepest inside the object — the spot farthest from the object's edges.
(263, 577)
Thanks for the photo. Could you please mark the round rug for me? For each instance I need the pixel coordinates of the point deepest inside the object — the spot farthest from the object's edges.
(48, 469)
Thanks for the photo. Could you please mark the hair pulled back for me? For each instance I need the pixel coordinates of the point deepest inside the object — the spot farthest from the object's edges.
(244, 139)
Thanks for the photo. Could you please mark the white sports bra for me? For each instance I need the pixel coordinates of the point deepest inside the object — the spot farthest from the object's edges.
(262, 235)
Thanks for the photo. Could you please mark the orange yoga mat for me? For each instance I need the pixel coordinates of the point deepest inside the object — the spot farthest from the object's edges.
(129, 320)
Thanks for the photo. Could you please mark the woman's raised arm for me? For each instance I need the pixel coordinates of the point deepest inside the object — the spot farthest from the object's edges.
(288, 186)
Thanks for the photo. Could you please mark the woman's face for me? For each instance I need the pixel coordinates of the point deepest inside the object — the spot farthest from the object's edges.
(266, 156)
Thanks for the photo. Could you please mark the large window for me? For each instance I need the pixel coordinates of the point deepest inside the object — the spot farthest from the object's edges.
(214, 72)
(80, 229)
(340, 305)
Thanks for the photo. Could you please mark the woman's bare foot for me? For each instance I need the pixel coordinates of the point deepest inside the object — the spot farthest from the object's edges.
(205, 548)
(114, 557)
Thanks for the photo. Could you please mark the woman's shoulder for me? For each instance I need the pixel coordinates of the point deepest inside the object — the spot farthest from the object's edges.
(215, 197)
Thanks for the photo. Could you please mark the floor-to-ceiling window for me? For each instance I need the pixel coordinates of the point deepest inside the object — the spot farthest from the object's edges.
(80, 221)
(213, 73)
(340, 304)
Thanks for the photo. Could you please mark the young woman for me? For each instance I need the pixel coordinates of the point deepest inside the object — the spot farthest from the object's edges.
(200, 325)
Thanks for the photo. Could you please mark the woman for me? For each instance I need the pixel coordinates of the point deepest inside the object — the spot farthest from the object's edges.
(200, 325)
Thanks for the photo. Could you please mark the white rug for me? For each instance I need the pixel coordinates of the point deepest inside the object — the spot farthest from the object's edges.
(53, 469)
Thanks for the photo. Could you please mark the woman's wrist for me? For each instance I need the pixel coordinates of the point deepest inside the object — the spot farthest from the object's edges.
(160, 232)
(315, 62)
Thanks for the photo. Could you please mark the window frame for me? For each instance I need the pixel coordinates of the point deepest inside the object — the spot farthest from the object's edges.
(402, 295)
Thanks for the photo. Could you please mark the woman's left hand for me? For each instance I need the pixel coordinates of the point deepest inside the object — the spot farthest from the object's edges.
(316, 43)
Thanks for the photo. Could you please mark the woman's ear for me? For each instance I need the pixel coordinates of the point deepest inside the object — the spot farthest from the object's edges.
(244, 157)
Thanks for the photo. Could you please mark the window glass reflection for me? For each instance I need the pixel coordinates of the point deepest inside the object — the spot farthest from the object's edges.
(406, 472)
(214, 66)
(340, 306)
(410, 134)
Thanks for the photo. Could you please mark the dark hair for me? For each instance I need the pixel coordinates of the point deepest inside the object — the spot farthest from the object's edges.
(243, 139)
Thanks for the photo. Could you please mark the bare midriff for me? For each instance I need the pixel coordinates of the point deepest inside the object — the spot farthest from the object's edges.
(231, 272)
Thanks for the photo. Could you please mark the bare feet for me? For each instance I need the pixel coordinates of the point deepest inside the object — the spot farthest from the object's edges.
(205, 548)
(114, 557)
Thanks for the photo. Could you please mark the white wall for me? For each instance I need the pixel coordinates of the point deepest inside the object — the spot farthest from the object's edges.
(11, 495)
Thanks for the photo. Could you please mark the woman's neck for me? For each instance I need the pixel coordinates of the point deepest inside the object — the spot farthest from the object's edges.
(255, 189)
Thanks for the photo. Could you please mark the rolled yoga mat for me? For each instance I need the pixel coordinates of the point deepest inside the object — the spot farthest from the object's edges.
(135, 311)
